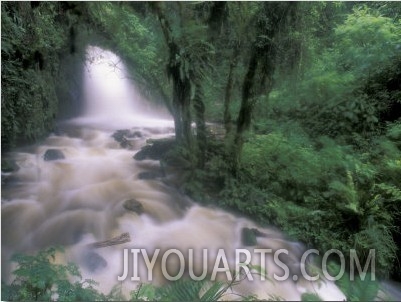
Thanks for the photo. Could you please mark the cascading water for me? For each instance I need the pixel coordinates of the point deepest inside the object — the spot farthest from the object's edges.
(78, 200)
(112, 101)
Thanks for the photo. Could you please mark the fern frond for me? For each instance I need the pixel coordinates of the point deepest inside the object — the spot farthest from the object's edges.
(214, 292)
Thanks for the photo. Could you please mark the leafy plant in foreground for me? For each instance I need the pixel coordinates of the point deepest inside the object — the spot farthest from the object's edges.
(38, 278)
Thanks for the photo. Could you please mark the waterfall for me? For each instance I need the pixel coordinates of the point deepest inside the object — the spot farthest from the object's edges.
(112, 101)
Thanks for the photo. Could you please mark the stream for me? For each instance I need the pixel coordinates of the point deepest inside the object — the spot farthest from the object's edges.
(81, 199)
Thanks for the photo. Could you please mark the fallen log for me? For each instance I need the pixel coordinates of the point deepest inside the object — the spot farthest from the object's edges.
(123, 238)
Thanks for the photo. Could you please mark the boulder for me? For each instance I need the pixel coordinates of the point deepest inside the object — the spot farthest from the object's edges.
(248, 237)
(8, 165)
(156, 149)
(259, 233)
(119, 135)
(123, 136)
(125, 143)
(136, 134)
(53, 154)
(134, 206)
(93, 261)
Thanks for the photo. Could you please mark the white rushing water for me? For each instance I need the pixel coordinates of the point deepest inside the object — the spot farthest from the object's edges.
(113, 102)
(79, 200)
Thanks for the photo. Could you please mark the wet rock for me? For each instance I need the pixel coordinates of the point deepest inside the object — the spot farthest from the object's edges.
(93, 261)
(126, 144)
(134, 206)
(123, 137)
(9, 180)
(53, 154)
(150, 175)
(156, 149)
(248, 237)
(120, 136)
(259, 233)
(137, 134)
(8, 165)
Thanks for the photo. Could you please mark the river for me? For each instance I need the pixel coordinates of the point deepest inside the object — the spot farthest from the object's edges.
(79, 199)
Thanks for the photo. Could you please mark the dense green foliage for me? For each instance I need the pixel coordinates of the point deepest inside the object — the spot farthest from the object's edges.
(38, 278)
(31, 39)
(322, 161)
(298, 184)
(320, 192)
(351, 85)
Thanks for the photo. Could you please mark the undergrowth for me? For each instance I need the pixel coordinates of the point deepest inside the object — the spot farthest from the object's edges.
(319, 191)
(39, 278)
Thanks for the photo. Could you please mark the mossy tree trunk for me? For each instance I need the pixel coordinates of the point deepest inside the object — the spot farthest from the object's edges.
(273, 19)
(181, 83)
(228, 91)
(245, 112)
(201, 138)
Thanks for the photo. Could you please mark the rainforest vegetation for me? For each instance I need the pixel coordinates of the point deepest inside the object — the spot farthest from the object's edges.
(286, 112)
